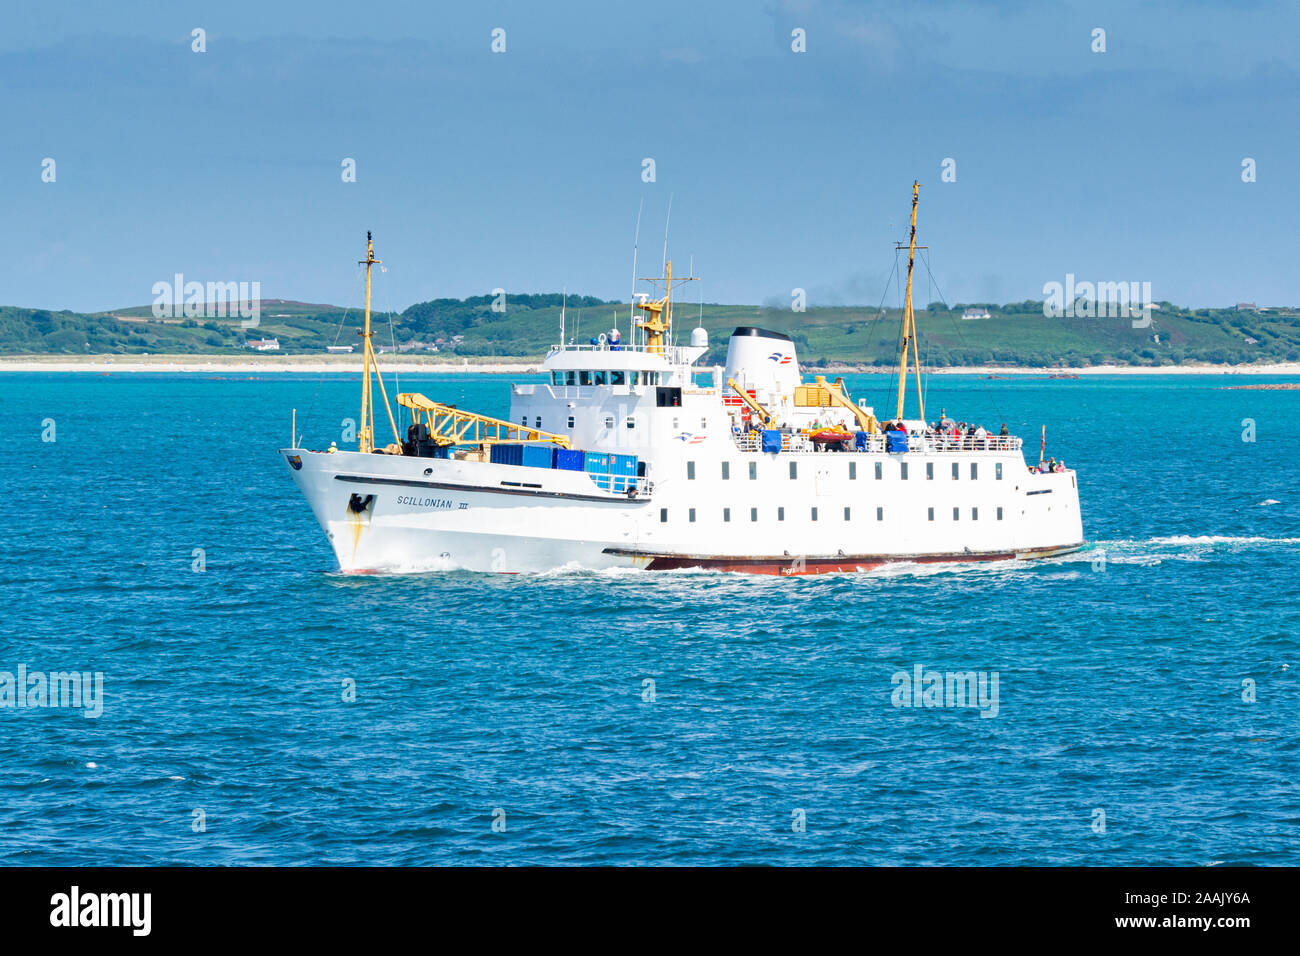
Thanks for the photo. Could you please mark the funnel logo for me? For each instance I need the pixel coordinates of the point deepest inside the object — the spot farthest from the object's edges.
(690, 438)
(780, 359)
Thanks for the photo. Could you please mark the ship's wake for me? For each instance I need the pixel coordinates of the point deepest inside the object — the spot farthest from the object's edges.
(1178, 547)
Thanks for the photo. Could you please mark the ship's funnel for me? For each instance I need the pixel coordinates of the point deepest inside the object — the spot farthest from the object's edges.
(762, 361)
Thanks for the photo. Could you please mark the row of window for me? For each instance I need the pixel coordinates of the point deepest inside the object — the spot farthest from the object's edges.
(780, 514)
(608, 377)
(853, 469)
(956, 514)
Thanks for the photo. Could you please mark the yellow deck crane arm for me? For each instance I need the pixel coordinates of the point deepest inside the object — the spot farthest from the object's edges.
(749, 400)
(823, 394)
(449, 425)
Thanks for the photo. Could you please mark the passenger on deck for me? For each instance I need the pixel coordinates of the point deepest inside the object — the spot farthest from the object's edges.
(1004, 433)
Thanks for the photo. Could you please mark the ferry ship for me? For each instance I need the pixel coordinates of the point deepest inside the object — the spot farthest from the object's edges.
(631, 455)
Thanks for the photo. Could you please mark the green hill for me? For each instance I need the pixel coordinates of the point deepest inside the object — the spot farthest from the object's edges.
(1015, 334)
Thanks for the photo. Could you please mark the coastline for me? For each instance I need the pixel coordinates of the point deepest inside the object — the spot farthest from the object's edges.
(348, 364)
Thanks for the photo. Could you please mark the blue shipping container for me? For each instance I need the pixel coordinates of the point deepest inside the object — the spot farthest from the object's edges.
(535, 456)
(622, 464)
(506, 454)
(567, 459)
(596, 463)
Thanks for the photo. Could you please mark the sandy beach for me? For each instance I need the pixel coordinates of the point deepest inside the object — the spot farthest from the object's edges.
(350, 365)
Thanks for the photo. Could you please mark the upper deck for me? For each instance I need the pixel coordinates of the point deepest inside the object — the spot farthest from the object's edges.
(621, 357)
(878, 444)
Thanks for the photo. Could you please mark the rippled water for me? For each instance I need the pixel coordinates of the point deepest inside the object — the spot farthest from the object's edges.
(1120, 669)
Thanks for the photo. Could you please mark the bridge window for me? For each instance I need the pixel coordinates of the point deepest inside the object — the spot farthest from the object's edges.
(974, 471)
(570, 378)
(597, 378)
(690, 471)
(616, 378)
(997, 471)
(794, 470)
(584, 378)
(633, 378)
(880, 471)
(853, 471)
(726, 471)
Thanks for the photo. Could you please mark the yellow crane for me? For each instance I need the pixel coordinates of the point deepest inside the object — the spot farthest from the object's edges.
(749, 400)
(824, 394)
(449, 425)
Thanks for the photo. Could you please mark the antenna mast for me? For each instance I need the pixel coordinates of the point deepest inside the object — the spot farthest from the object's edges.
(636, 240)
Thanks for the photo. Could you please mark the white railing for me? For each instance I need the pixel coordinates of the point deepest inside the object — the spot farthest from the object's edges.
(619, 484)
(753, 441)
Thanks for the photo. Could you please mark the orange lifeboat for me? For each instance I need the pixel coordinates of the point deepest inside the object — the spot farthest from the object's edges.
(825, 436)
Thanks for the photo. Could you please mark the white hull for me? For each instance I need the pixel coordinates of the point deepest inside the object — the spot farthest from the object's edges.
(429, 514)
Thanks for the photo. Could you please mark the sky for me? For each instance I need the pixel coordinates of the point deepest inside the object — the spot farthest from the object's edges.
(524, 169)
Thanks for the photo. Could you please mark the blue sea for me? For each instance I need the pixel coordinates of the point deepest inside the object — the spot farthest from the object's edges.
(260, 708)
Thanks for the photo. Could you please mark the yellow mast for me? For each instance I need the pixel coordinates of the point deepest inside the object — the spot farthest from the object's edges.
(367, 427)
(660, 312)
(909, 322)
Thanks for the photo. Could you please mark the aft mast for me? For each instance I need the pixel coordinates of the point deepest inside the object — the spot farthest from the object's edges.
(909, 321)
